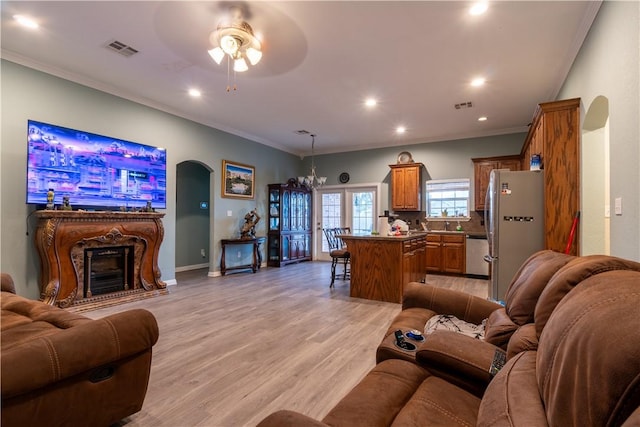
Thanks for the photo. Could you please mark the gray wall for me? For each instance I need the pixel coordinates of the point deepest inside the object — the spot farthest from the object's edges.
(192, 222)
(442, 160)
(608, 65)
(29, 94)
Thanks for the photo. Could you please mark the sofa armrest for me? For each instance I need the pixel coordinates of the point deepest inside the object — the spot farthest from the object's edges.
(286, 418)
(446, 301)
(6, 283)
(458, 358)
(69, 352)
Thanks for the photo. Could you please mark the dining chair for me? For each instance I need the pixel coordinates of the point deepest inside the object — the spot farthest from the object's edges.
(338, 251)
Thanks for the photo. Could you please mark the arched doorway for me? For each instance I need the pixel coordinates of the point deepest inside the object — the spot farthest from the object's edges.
(595, 216)
(193, 247)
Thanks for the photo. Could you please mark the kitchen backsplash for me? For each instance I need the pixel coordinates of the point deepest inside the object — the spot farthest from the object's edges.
(475, 224)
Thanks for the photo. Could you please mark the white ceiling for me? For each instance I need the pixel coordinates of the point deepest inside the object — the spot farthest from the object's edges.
(321, 59)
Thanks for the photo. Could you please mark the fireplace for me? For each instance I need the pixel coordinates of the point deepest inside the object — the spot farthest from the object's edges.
(94, 259)
(107, 269)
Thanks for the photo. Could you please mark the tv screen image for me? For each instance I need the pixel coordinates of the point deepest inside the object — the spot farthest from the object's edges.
(94, 171)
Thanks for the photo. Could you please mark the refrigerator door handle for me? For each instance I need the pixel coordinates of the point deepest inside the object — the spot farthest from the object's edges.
(489, 258)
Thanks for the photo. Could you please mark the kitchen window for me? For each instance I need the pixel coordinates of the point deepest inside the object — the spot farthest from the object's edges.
(448, 198)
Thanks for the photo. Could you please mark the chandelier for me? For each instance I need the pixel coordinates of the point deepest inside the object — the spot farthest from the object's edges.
(312, 180)
(236, 42)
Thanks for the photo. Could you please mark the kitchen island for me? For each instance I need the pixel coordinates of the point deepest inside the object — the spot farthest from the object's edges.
(381, 265)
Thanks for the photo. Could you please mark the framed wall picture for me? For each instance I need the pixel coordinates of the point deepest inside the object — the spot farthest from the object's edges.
(238, 180)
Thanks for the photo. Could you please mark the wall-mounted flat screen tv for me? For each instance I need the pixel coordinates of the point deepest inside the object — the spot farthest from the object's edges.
(94, 171)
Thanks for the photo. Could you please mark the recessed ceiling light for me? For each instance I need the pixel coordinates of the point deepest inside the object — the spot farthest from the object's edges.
(482, 119)
(370, 102)
(479, 8)
(479, 81)
(195, 93)
(401, 129)
(25, 21)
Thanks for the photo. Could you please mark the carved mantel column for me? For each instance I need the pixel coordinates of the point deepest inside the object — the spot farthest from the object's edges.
(63, 236)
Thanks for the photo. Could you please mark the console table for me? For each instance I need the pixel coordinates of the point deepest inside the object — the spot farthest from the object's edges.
(257, 256)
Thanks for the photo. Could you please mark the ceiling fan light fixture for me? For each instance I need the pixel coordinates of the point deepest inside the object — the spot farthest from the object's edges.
(254, 55)
(217, 54)
(240, 65)
(234, 38)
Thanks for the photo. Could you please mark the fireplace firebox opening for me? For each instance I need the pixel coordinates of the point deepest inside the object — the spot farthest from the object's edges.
(107, 270)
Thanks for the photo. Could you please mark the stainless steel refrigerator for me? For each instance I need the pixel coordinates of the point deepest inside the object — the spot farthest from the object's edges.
(514, 222)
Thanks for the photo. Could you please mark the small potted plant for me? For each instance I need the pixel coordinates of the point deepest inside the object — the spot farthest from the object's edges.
(445, 213)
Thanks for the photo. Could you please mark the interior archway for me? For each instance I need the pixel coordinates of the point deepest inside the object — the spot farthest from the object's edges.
(193, 247)
(595, 209)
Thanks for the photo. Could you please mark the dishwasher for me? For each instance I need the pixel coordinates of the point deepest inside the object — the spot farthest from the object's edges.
(477, 248)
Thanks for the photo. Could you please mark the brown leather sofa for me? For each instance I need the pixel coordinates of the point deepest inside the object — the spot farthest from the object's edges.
(584, 372)
(473, 357)
(64, 369)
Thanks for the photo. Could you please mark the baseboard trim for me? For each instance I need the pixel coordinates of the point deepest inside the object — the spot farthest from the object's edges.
(191, 267)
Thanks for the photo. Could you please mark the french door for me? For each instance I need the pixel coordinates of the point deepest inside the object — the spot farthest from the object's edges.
(353, 206)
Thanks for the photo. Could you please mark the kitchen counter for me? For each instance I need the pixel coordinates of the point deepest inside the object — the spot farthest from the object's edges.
(382, 265)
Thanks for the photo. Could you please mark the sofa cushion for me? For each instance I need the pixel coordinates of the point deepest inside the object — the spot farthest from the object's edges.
(441, 403)
(23, 321)
(501, 406)
(588, 366)
(525, 338)
(499, 328)
(400, 393)
(380, 396)
(573, 273)
(529, 281)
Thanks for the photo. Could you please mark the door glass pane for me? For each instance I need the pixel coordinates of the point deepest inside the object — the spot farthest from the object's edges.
(362, 212)
(331, 214)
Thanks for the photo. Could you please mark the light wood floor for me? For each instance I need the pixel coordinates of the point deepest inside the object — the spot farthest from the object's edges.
(234, 349)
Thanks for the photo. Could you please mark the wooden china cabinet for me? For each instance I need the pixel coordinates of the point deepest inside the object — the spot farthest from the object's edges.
(290, 233)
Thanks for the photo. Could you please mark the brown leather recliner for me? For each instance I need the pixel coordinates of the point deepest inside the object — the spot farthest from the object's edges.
(65, 369)
(585, 372)
(421, 302)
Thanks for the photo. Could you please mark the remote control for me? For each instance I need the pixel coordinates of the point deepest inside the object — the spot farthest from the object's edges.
(399, 338)
(401, 343)
(499, 359)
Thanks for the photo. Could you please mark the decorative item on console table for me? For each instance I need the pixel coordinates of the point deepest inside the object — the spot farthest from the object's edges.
(248, 230)
(92, 259)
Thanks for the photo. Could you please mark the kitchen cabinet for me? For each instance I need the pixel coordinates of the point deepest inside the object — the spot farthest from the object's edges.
(445, 253)
(406, 186)
(290, 234)
(482, 168)
(555, 135)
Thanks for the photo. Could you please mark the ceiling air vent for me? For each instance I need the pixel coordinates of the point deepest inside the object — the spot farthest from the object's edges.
(462, 105)
(121, 48)
(302, 132)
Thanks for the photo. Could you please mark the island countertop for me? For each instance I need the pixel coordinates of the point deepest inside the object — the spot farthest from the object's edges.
(382, 265)
(413, 235)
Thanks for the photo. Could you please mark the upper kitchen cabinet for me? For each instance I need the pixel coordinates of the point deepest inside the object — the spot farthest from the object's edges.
(555, 135)
(482, 168)
(406, 186)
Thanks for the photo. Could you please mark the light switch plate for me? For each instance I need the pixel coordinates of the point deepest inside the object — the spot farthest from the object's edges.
(229, 213)
(618, 206)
